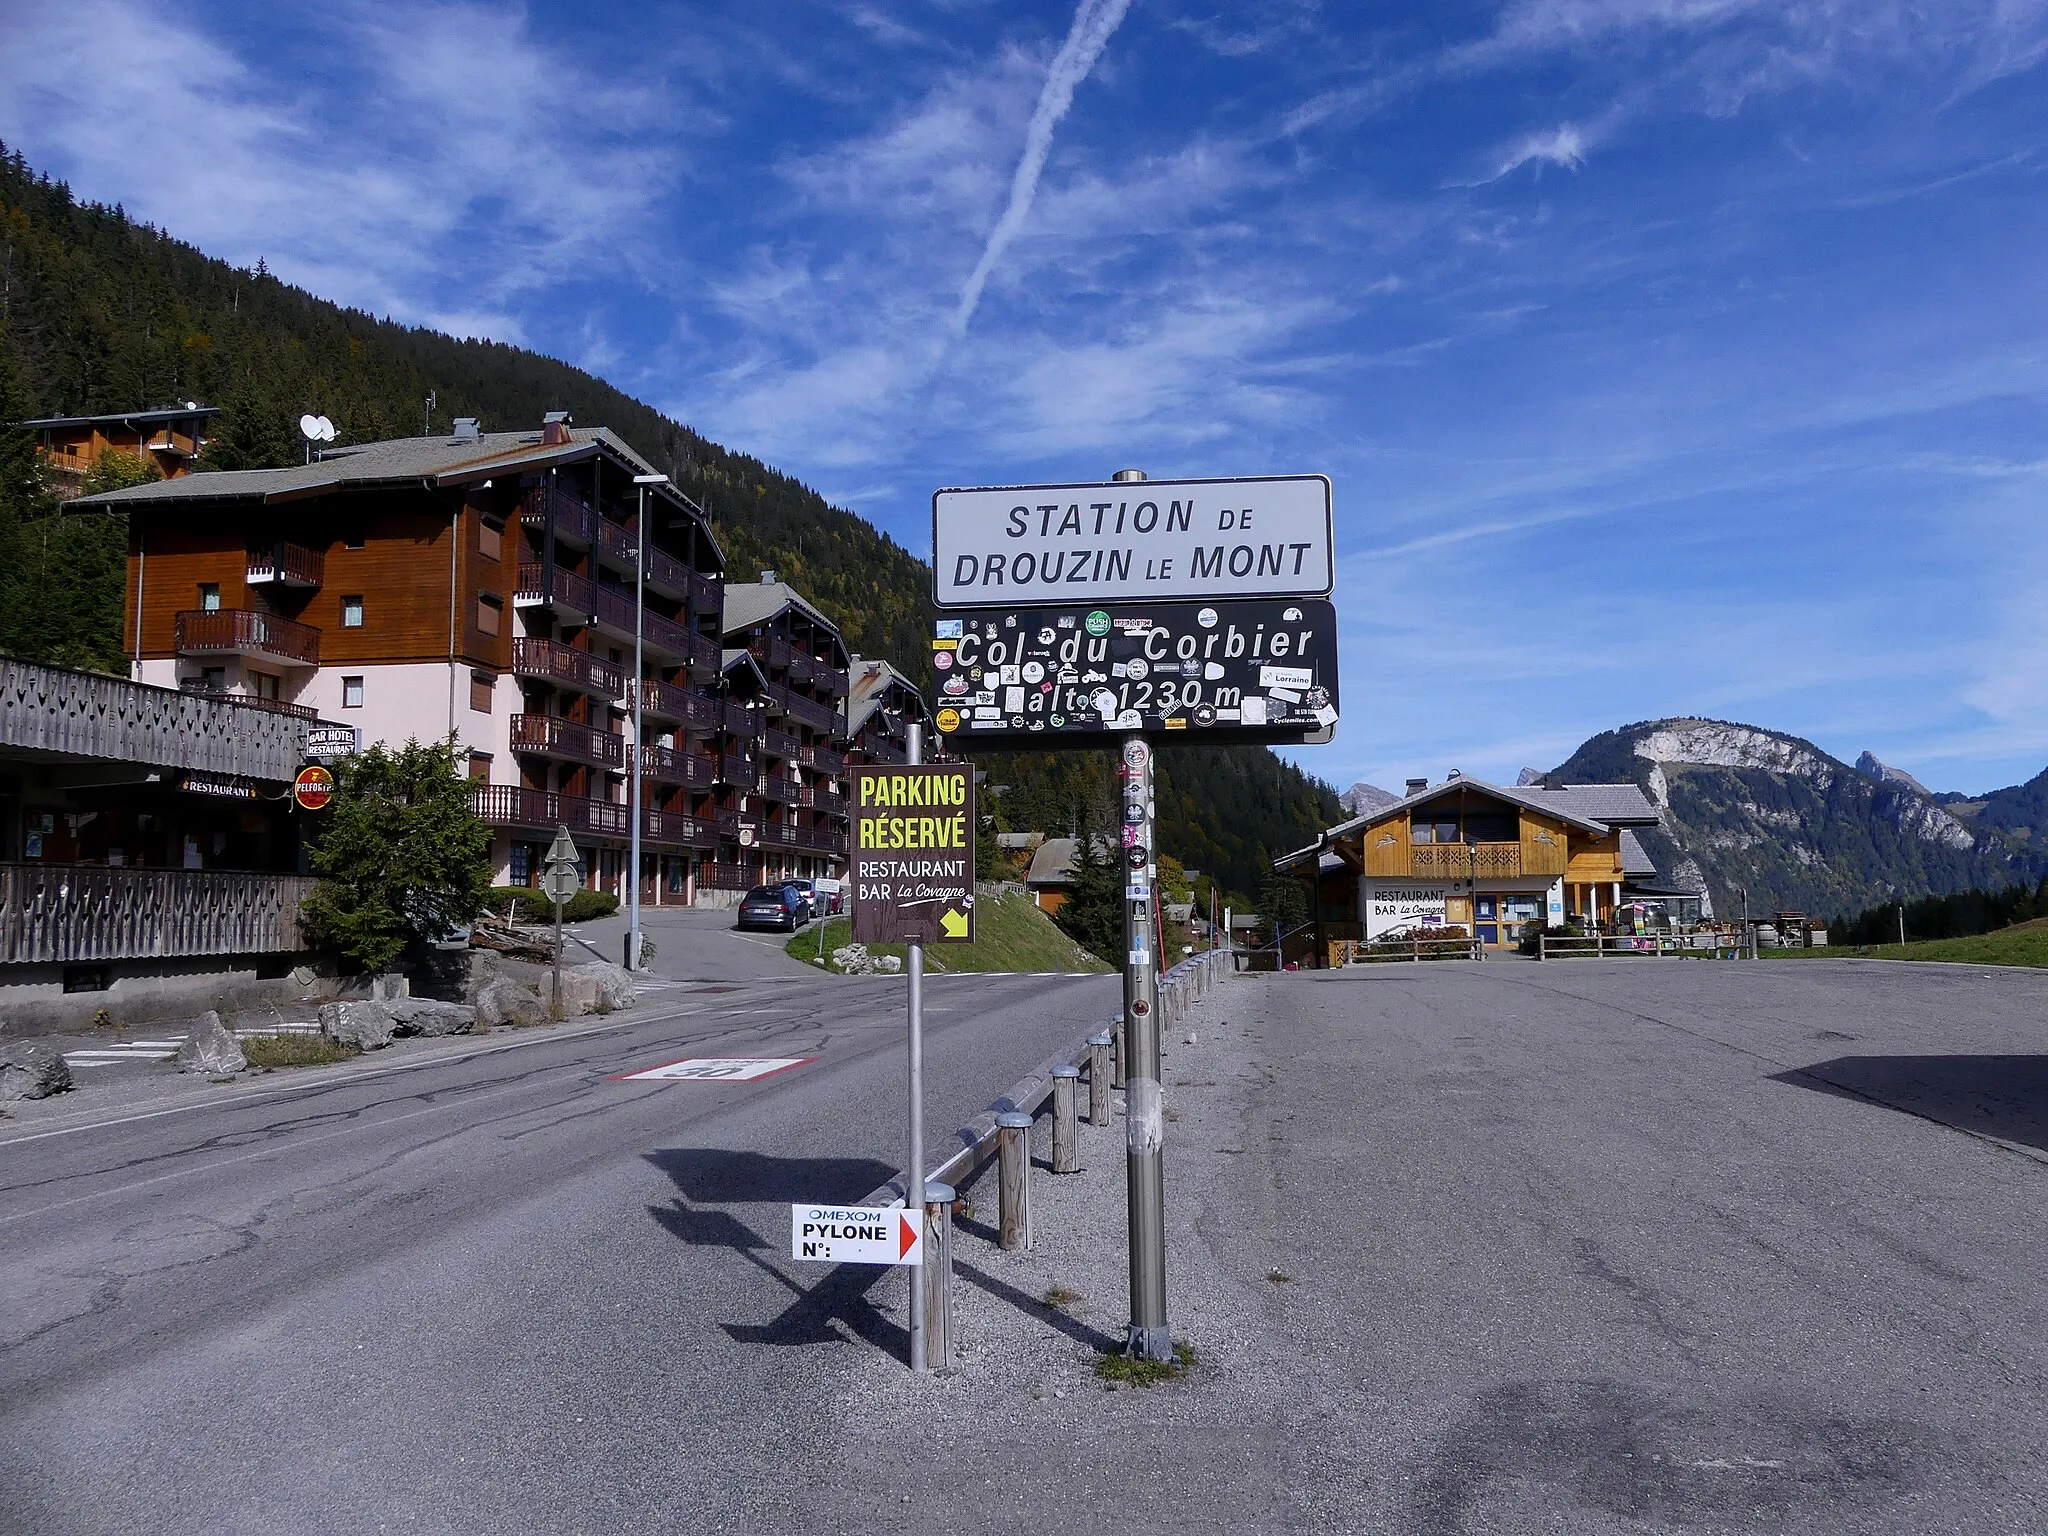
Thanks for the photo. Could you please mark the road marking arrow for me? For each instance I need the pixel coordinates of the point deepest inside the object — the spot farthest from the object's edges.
(954, 924)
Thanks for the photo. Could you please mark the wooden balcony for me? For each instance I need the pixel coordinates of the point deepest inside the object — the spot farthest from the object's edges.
(666, 828)
(246, 632)
(667, 701)
(253, 701)
(822, 717)
(540, 810)
(552, 587)
(286, 564)
(781, 834)
(781, 744)
(785, 789)
(1459, 861)
(558, 663)
(823, 758)
(572, 519)
(735, 769)
(550, 736)
(665, 765)
(828, 802)
(739, 720)
(52, 914)
(664, 637)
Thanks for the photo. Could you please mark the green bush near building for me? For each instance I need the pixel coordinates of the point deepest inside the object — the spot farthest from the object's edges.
(534, 907)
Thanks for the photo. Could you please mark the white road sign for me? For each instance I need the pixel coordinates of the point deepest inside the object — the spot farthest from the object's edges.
(856, 1234)
(1163, 540)
(714, 1069)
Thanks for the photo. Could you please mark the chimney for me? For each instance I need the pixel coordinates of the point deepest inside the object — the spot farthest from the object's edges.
(554, 429)
(1455, 773)
(466, 430)
(767, 578)
(1417, 786)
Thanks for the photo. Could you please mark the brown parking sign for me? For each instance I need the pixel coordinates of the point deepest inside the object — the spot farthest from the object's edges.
(912, 862)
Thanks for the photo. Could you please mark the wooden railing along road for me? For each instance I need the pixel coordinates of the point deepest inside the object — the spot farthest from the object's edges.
(71, 913)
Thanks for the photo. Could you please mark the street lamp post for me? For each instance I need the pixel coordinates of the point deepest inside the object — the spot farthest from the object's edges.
(633, 943)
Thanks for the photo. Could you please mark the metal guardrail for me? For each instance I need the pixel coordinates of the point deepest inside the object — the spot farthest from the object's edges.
(1697, 944)
(1002, 1131)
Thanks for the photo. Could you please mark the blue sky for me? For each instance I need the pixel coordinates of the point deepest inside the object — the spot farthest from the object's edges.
(1669, 356)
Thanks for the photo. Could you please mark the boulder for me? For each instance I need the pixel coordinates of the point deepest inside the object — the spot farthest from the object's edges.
(504, 1001)
(389, 986)
(852, 959)
(581, 993)
(366, 1025)
(211, 1048)
(887, 965)
(614, 986)
(425, 1016)
(31, 1071)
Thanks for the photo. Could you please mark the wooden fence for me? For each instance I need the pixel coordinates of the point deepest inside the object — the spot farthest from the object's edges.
(70, 913)
(1694, 943)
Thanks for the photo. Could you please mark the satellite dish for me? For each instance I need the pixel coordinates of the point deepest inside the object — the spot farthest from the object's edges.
(326, 430)
(309, 428)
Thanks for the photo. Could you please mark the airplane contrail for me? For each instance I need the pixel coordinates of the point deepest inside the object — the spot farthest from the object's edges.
(1093, 24)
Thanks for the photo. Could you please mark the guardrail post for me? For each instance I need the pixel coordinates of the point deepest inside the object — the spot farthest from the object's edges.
(937, 1278)
(1117, 1074)
(1101, 1109)
(1066, 1126)
(1013, 1180)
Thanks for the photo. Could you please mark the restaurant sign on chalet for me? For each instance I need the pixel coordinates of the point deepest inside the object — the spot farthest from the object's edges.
(1163, 540)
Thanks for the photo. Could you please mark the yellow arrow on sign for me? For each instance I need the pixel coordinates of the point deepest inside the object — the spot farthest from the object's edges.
(954, 924)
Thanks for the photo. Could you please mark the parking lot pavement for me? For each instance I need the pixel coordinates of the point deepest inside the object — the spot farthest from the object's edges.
(692, 944)
(1596, 1246)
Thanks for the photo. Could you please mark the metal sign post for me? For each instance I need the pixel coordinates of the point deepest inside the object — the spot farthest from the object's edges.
(1145, 1113)
(913, 1168)
(559, 877)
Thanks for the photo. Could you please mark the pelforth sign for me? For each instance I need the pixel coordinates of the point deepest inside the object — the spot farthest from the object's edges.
(1136, 541)
(912, 862)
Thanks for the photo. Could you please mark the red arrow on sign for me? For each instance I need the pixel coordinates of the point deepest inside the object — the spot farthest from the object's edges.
(907, 1238)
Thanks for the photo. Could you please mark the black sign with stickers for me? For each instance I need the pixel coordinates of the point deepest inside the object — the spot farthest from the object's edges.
(1244, 670)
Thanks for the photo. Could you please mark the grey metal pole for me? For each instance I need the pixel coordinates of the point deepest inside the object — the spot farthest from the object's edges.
(1144, 1105)
(913, 1168)
(639, 628)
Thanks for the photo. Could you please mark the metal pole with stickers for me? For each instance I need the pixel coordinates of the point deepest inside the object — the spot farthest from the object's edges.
(1131, 615)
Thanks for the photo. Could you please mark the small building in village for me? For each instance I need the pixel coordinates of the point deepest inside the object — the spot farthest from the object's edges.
(170, 438)
(1492, 860)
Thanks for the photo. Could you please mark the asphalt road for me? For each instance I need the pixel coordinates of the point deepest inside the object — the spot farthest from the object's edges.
(483, 1288)
(1589, 1247)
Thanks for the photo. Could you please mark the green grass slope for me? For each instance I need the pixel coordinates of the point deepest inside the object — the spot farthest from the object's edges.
(2021, 944)
(1010, 934)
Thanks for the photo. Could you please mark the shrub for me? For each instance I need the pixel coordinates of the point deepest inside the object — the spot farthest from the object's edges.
(534, 907)
(1529, 943)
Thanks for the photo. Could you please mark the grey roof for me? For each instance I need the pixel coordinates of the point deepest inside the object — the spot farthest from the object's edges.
(1052, 862)
(868, 690)
(1635, 859)
(1619, 805)
(126, 418)
(734, 656)
(748, 603)
(448, 461)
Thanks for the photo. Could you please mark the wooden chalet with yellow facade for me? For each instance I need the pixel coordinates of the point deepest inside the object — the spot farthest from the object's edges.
(1491, 860)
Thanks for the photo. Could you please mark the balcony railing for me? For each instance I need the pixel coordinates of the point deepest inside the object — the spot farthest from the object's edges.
(781, 744)
(802, 668)
(69, 913)
(1458, 860)
(557, 588)
(707, 593)
(668, 766)
(739, 720)
(736, 769)
(551, 736)
(550, 659)
(830, 679)
(667, 701)
(571, 517)
(823, 758)
(724, 877)
(818, 716)
(245, 632)
(663, 635)
(879, 749)
(286, 564)
(829, 802)
(785, 788)
(724, 822)
(677, 831)
(507, 805)
(254, 701)
(780, 834)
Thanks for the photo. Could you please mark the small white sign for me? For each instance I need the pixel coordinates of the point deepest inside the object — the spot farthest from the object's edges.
(1271, 677)
(714, 1069)
(856, 1234)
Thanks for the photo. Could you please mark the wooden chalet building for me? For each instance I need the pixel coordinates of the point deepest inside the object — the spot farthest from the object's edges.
(795, 821)
(880, 709)
(171, 438)
(479, 585)
(1477, 856)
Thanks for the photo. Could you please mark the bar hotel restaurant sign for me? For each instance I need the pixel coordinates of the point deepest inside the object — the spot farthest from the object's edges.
(1149, 606)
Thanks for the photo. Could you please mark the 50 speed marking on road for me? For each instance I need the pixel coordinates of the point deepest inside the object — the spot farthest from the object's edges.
(714, 1069)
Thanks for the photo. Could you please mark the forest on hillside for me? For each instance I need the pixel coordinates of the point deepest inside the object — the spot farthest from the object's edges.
(101, 313)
